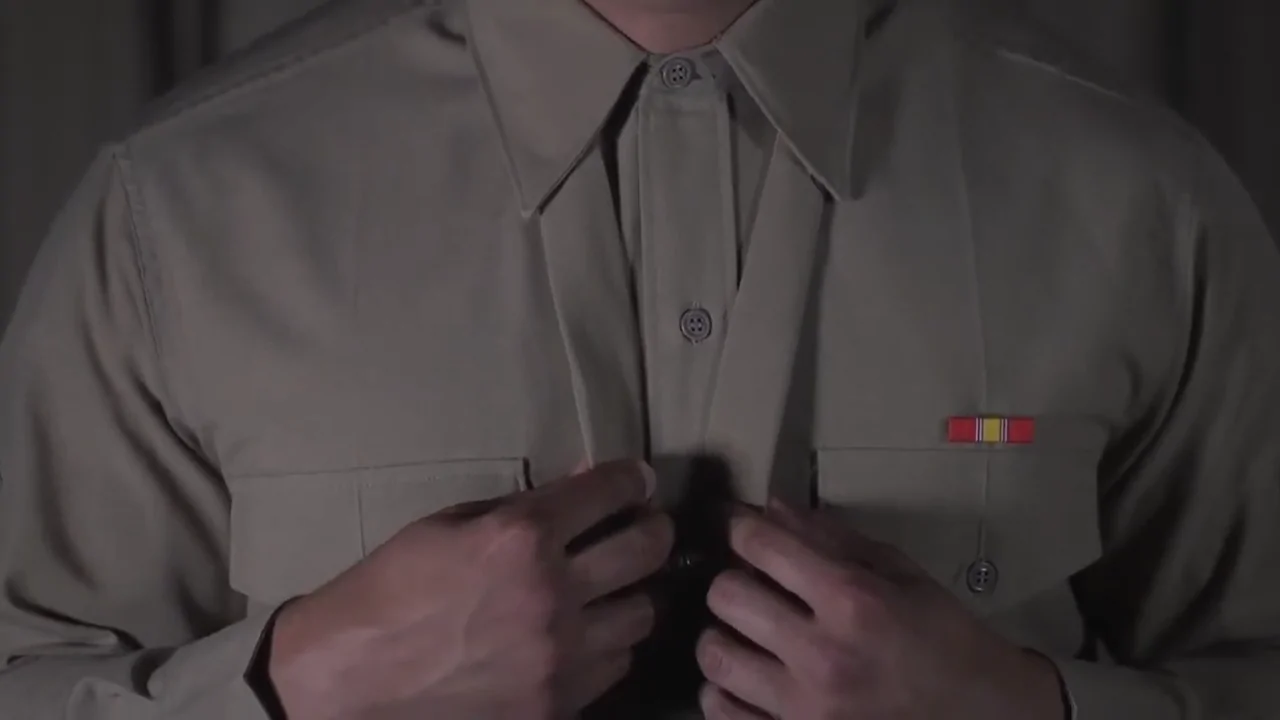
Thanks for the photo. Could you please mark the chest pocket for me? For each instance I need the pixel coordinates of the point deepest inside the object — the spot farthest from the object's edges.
(291, 534)
(997, 526)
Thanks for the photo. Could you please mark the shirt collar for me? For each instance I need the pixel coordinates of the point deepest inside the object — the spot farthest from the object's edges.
(553, 72)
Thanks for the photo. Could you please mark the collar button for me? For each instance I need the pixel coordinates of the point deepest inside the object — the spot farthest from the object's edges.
(678, 73)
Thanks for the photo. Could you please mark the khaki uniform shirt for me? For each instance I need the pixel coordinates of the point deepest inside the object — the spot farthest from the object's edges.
(413, 254)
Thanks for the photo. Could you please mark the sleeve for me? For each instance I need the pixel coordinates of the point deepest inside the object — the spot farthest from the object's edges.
(1186, 600)
(114, 598)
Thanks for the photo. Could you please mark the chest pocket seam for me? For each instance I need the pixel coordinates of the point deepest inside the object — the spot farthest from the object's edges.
(1032, 514)
(290, 534)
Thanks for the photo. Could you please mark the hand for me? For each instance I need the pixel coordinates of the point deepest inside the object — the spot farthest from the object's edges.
(853, 630)
(480, 612)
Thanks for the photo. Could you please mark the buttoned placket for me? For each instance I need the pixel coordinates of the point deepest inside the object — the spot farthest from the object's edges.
(686, 249)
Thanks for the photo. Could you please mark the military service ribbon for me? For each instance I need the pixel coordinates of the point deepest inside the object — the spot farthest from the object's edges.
(991, 430)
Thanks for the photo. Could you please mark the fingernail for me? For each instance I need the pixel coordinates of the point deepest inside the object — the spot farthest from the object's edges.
(650, 480)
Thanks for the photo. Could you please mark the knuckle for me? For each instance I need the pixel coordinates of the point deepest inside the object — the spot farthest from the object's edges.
(713, 661)
(847, 615)
(856, 610)
(517, 541)
(516, 525)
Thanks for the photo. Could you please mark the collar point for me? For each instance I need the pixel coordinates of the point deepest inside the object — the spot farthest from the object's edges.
(840, 189)
(529, 209)
(837, 183)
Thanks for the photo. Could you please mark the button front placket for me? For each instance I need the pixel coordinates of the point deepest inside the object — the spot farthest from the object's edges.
(688, 246)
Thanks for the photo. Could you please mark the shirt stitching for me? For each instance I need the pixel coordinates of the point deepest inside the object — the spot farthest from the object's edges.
(134, 202)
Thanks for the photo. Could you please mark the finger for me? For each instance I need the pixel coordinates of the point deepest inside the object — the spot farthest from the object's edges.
(749, 675)
(840, 542)
(470, 510)
(758, 613)
(617, 625)
(717, 704)
(784, 557)
(814, 528)
(788, 517)
(886, 560)
(624, 558)
(588, 681)
(579, 502)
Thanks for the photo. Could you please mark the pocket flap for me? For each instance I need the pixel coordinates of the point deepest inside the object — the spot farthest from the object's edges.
(291, 534)
(1030, 515)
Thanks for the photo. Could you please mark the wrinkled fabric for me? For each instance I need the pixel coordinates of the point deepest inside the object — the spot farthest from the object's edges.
(408, 255)
(67, 86)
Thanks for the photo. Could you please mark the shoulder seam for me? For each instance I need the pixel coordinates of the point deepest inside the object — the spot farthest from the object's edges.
(984, 36)
(1064, 74)
(135, 206)
(1132, 98)
(278, 68)
(173, 406)
(139, 234)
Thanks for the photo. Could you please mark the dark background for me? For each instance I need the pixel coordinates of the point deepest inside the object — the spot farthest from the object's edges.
(74, 73)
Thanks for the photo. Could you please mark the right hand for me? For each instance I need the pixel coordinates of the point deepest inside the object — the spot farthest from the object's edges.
(480, 612)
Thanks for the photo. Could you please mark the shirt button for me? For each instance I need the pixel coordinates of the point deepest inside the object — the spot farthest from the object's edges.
(695, 325)
(677, 73)
(687, 561)
(983, 577)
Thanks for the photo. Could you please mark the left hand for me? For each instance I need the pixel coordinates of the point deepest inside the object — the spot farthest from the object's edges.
(868, 635)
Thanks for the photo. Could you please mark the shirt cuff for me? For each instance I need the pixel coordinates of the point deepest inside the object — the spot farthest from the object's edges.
(214, 677)
(1096, 691)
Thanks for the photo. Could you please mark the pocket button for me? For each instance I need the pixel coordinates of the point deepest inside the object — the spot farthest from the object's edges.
(983, 576)
(696, 325)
